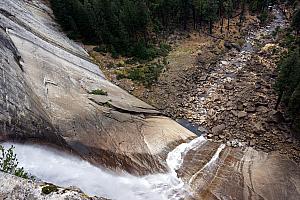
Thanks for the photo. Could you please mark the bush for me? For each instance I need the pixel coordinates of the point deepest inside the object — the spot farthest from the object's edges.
(131, 61)
(121, 74)
(49, 189)
(100, 49)
(147, 52)
(147, 74)
(9, 163)
(296, 20)
(263, 17)
(98, 92)
(114, 53)
(164, 49)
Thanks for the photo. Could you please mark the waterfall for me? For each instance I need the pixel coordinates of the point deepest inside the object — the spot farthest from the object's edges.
(65, 170)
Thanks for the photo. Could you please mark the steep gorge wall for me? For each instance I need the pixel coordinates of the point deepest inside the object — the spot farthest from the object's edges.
(21, 113)
(45, 80)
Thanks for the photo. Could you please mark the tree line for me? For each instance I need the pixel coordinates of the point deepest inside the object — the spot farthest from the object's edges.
(288, 81)
(129, 27)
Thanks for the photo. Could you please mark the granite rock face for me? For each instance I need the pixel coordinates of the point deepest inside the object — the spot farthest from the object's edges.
(214, 171)
(45, 83)
(12, 187)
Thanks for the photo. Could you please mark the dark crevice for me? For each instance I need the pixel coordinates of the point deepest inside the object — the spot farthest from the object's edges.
(121, 110)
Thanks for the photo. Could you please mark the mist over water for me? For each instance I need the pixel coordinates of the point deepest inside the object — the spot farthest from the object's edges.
(65, 170)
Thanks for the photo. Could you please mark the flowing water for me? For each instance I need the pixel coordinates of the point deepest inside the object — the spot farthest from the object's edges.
(62, 169)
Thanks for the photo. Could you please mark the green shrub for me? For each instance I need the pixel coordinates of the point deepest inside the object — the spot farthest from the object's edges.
(137, 74)
(101, 49)
(288, 85)
(263, 17)
(164, 49)
(147, 74)
(296, 20)
(114, 53)
(98, 92)
(147, 52)
(9, 163)
(131, 61)
(49, 189)
(121, 74)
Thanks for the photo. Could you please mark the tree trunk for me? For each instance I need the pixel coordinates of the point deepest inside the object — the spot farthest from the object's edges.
(228, 24)
(194, 17)
(222, 23)
(279, 100)
(210, 26)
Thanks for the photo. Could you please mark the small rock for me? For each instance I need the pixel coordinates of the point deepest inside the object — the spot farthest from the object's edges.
(202, 130)
(242, 114)
(250, 108)
(224, 62)
(218, 129)
(257, 86)
(234, 112)
(240, 105)
(228, 143)
(289, 140)
(229, 86)
(262, 109)
(221, 136)
(203, 78)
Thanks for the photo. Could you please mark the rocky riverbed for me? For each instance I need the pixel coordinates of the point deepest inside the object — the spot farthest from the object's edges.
(227, 90)
(234, 99)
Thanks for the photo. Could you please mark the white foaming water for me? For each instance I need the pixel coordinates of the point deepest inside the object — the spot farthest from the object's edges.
(175, 159)
(210, 163)
(62, 169)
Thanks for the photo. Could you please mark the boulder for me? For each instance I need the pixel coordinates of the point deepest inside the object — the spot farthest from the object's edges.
(218, 129)
(242, 114)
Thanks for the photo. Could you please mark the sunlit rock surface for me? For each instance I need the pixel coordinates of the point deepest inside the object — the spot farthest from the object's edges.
(45, 80)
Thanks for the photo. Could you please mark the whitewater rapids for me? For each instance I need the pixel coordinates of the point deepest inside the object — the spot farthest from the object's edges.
(62, 169)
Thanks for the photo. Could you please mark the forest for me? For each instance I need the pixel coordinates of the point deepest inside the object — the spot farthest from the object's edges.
(288, 81)
(131, 27)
